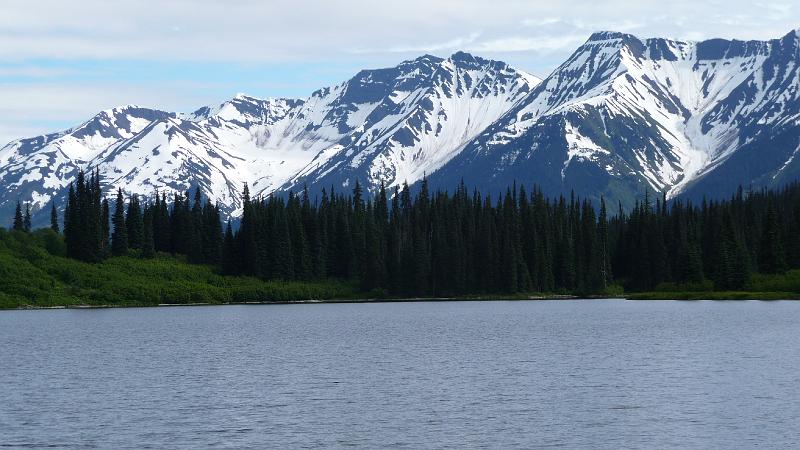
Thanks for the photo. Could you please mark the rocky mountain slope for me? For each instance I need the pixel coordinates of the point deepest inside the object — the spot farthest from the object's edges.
(620, 116)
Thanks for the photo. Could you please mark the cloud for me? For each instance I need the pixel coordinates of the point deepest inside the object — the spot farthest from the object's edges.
(455, 43)
(523, 44)
(37, 108)
(184, 53)
(299, 30)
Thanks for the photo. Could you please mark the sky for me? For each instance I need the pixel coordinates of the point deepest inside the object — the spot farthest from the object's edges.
(61, 62)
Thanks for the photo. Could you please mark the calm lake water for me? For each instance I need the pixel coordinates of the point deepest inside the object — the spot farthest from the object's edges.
(596, 373)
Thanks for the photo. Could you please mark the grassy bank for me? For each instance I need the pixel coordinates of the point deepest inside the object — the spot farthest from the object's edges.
(34, 272)
(784, 286)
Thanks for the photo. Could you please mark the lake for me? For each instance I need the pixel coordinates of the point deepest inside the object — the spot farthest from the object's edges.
(516, 374)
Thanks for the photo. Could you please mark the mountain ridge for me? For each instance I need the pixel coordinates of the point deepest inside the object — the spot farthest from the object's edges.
(620, 116)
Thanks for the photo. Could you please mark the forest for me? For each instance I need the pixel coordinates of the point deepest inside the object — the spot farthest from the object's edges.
(439, 244)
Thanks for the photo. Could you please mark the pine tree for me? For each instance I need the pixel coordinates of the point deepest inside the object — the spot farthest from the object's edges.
(602, 246)
(772, 258)
(134, 223)
(27, 220)
(247, 236)
(54, 218)
(195, 227)
(212, 234)
(71, 223)
(91, 219)
(19, 222)
(148, 242)
(442, 244)
(119, 243)
(106, 230)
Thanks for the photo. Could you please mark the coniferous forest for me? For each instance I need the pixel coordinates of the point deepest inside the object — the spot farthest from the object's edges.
(440, 244)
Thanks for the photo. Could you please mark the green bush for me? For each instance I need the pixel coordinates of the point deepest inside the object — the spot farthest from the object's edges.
(705, 285)
(34, 272)
(784, 282)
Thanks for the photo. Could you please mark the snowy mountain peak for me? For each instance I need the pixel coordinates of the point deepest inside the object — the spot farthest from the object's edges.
(605, 36)
(470, 60)
(656, 114)
(622, 114)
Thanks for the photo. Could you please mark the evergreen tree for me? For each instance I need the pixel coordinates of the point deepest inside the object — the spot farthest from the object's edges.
(27, 220)
(211, 234)
(604, 268)
(71, 230)
(247, 236)
(105, 226)
(148, 240)
(772, 257)
(19, 222)
(230, 253)
(134, 223)
(440, 244)
(54, 218)
(119, 243)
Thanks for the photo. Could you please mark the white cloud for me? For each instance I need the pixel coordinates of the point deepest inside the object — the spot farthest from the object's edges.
(37, 108)
(281, 30)
(523, 44)
(457, 43)
(534, 35)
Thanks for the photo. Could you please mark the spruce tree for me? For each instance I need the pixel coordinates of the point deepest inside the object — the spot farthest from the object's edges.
(230, 252)
(148, 242)
(105, 226)
(212, 234)
(119, 243)
(602, 246)
(247, 235)
(772, 257)
(19, 222)
(27, 219)
(134, 223)
(54, 218)
(71, 223)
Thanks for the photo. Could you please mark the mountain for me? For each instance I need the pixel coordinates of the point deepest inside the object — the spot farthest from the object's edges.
(621, 116)
(40, 168)
(390, 125)
(410, 120)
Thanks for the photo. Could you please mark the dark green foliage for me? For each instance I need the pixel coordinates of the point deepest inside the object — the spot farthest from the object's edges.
(231, 262)
(148, 242)
(134, 223)
(54, 218)
(105, 222)
(211, 235)
(34, 271)
(772, 257)
(438, 244)
(19, 222)
(119, 240)
(26, 223)
(84, 227)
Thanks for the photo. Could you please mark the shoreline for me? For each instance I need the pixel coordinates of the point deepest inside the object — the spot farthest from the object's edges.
(660, 296)
(328, 301)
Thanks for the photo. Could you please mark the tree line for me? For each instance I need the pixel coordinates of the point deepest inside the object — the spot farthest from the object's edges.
(442, 244)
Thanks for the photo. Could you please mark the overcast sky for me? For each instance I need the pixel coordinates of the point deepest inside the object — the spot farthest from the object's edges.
(63, 61)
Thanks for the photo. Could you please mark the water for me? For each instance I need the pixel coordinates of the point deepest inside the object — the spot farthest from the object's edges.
(599, 374)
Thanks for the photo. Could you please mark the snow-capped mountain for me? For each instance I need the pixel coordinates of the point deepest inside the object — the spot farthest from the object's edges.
(620, 116)
(40, 168)
(623, 115)
(390, 125)
(410, 120)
